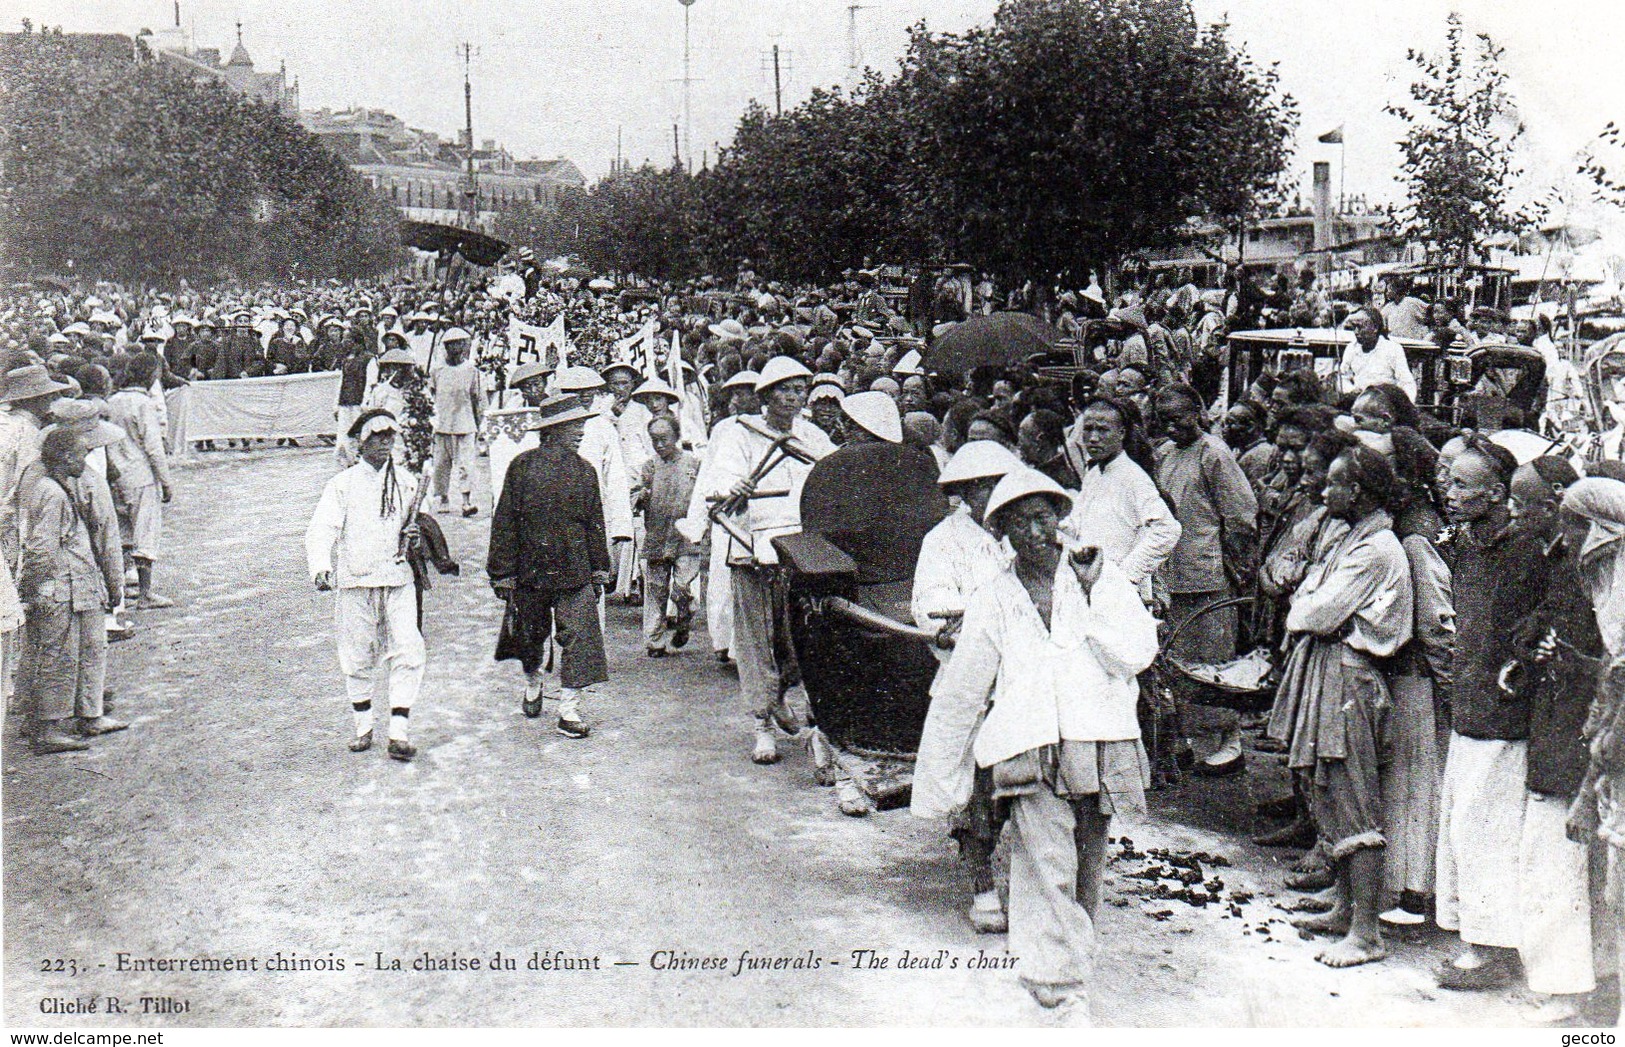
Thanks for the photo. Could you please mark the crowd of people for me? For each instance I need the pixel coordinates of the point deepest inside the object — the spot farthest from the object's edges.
(1439, 616)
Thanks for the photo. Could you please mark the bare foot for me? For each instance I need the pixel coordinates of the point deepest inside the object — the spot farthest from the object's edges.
(1353, 951)
(1334, 922)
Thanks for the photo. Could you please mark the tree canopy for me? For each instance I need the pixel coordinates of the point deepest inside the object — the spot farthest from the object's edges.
(114, 165)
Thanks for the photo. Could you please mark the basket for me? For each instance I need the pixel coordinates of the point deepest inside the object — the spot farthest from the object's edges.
(1204, 689)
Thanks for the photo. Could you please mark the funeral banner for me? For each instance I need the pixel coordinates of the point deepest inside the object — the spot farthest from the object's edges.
(271, 408)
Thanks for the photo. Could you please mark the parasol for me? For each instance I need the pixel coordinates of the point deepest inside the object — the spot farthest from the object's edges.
(1001, 339)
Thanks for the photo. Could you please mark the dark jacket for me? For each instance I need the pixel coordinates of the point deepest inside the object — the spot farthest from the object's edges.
(548, 530)
(1559, 693)
(353, 377)
(1496, 582)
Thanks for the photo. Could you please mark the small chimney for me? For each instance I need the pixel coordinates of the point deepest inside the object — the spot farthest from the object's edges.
(1323, 204)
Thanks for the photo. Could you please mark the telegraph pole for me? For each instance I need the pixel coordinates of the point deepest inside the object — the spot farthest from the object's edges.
(688, 110)
(778, 89)
(471, 190)
(853, 59)
(676, 149)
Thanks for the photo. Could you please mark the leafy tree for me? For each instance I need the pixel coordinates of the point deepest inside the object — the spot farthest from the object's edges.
(117, 167)
(1458, 146)
(641, 220)
(1070, 133)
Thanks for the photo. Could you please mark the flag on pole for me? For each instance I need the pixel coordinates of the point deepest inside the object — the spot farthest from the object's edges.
(528, 342)
(638, 349)
(1332, 137)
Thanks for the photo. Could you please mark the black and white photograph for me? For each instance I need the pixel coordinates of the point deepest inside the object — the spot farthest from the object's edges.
(812, 514)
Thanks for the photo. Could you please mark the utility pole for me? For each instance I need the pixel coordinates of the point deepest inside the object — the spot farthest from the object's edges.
(853, 59)
(471, 188)
(676, 150)
(688, 80)
(616, 169)
(778, 88)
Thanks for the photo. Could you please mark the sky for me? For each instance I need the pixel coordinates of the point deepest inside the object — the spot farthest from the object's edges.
(565, 77)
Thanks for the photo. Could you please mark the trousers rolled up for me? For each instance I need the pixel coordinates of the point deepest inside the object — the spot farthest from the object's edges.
(761, 682)
(665, 580)
(453, 451)
(378, 624)
(65, 664)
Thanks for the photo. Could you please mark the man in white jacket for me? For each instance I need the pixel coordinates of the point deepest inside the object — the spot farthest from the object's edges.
(957, 556)
(353, 545)
(1041, 691)
(601, 447)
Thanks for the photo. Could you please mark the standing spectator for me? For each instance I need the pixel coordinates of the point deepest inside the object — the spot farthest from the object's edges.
(1040, 438)
(670, 561)
(1213, 560)
(354, 545)
(459, 409)
(1353, 607)
(1372, 359)
(1497, 577)
(70, 565)
(549, 563)
(1404, 315)
(143, 473)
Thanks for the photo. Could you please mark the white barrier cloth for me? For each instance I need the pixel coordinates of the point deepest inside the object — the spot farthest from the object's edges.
(272, 408)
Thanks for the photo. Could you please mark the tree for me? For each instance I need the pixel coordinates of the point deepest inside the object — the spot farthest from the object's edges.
(1458, 147)
(1073, 132)
(641, 220)
(121, 168)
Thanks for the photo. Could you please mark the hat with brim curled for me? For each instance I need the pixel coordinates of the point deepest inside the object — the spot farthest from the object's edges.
(84, 418)
(826, 391)
(559, 410)
(745, 379)
(780, 369)
(876, 414)
(527, 371)
(1025, 482)
(655, 387)
(580, 380)
(729, 330)
(978, 460)
(28, 382)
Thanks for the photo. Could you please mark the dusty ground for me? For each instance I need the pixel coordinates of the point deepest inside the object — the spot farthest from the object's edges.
(231, 821)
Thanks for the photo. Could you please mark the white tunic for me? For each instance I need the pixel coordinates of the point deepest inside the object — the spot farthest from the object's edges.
(1384, 364)
(1073, 680)
(601, 447)
(1119, 510)
(348, 530)
(957, 557)
(735, 451)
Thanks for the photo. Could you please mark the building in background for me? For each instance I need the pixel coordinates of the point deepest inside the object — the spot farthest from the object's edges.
(173, 46)
(426, 176)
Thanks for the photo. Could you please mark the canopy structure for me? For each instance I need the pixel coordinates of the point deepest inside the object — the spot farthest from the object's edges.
(478, 248)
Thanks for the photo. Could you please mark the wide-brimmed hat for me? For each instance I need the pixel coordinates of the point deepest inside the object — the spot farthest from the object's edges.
(526, 371)
(78, 327)
(781, 369)
(558, 410)
(619, 365)
(85, 418)
(656, 387)
(27, 382)
(397, 356)
(729, 330)
(577, 379)
(876, 413)
(1024, 482)
(742, 379)
(455, 334)
(978, 460)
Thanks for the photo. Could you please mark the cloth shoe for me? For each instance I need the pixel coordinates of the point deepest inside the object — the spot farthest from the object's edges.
(987, 914)
(55, 740)
(573, 728)
(91, 727)
(361, 742)
(402, 750)
(852, 801)
(767, 750)
(154, 602)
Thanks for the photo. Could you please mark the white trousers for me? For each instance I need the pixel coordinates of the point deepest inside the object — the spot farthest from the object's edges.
(380, 624)
(1481, 808)
(719, 598)
(1555, 901)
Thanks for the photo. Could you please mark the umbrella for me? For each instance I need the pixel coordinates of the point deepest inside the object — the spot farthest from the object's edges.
(475, 246)
(1001, 339)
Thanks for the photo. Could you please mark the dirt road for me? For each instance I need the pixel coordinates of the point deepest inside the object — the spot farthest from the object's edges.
(231, 822)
